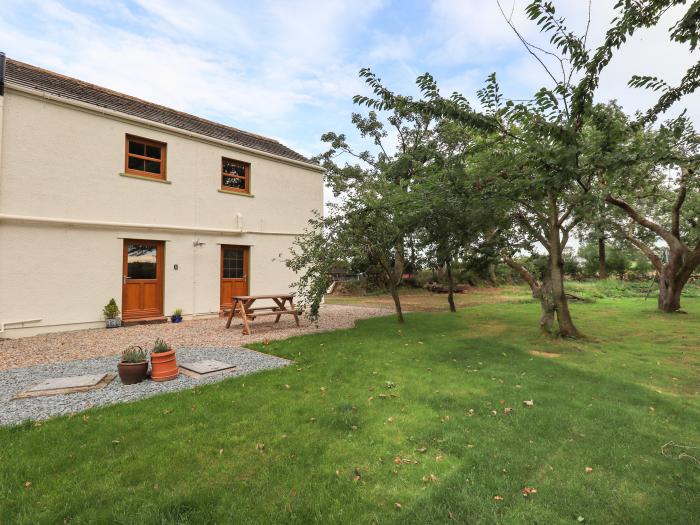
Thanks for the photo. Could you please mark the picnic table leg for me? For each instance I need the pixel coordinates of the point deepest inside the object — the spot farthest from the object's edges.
(244, 315)
(296, 316)
(233, 312)
(280, 306)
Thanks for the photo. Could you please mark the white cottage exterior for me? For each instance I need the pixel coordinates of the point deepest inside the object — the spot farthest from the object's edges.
(106, 196)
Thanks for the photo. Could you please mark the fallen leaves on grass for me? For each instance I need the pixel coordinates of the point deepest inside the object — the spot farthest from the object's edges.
(358, 475)
(588, 470)
(391, 419)
(398, 506)
(507, 410)
(27, 484)
(432, 478)
(498, 498)
(526, 491)
(528, 403)
(260, 447)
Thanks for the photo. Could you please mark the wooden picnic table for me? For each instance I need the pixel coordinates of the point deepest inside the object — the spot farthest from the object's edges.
(244, 305)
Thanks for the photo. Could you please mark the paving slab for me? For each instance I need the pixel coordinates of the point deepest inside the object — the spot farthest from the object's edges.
(59, 383)
(66, 385)
(207, 366)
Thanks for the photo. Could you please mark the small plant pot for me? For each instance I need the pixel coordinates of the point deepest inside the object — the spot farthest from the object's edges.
(175, 318)
(164, 366)
(115, 322)
(132, 373)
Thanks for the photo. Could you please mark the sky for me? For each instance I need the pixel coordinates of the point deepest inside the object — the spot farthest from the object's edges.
(289, 69)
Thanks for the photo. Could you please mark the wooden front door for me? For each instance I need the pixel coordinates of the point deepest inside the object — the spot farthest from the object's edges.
(142, 279)
(234, 273)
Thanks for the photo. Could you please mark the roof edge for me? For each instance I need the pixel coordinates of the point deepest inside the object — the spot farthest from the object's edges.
(165, 127)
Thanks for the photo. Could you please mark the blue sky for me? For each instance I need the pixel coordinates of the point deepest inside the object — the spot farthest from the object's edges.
(288, 69)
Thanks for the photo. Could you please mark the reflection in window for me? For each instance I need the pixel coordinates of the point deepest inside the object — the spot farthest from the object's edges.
(235, 175)
(233, 263)
(141, 261)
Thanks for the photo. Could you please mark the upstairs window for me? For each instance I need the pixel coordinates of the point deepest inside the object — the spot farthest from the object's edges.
(145, 157)
(235, 176)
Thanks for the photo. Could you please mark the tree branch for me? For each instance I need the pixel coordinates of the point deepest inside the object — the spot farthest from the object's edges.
(673, 242)
(645, 249)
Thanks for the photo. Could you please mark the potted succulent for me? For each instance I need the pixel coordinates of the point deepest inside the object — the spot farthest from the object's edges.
(163, 362)
(177, 316)
(111, 313)
(133, 365)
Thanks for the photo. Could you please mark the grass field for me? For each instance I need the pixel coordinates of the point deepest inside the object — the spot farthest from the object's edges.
(397, 424)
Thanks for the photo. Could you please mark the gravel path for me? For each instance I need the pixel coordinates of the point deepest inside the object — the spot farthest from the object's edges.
(18, 379)
(82, 344)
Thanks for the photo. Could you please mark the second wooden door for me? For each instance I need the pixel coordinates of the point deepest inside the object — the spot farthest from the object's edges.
(234, 273)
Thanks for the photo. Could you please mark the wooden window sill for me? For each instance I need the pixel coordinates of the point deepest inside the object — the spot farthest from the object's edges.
(144, 177)
(239, 193)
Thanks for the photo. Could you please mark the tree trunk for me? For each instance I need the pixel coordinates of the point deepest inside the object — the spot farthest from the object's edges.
(670, 290)
(450, 287)
(556, 268)
(547, 306)
(540, 291)
(394, 289)
(602, 268)
(492, 274)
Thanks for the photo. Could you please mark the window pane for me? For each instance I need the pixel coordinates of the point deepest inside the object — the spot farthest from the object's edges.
(152, 166)
(153, 152)
(233, 182)
(141, 261)
(233, 263)
(137, 164)
(136, 148)
(233, 168)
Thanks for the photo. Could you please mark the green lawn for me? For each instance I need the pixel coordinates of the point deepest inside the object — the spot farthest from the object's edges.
(385, 414)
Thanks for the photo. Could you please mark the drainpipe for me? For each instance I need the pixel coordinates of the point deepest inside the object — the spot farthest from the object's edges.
(2, 104)
(2, 101)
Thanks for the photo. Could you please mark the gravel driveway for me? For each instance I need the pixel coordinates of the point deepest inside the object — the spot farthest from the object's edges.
(83, 344)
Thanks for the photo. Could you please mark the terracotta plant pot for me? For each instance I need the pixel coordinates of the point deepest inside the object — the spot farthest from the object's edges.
(164, 366)
(132, 373)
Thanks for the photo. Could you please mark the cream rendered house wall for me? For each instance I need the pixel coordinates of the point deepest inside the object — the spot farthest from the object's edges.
(60, 166)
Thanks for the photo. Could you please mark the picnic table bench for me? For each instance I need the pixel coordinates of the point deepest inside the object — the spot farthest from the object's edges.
(243, 304)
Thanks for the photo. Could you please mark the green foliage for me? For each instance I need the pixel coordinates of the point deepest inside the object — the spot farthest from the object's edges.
(111, 310)
(177, 312)
(160, 346)
(134, 354)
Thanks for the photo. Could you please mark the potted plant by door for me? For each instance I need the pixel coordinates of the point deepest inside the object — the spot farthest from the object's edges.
(177, 316)
(133, 366)
(163, 363)
(111, 313)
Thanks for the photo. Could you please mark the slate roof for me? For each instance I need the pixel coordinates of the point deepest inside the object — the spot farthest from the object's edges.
(21, 74)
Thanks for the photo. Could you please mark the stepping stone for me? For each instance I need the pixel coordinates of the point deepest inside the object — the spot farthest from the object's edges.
(207, 367)
(67, 385)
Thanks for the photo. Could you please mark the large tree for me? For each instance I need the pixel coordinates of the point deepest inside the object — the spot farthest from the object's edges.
(658, 204)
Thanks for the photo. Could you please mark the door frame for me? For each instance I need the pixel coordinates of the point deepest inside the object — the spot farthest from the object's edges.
(160, 278)
(246, 271)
